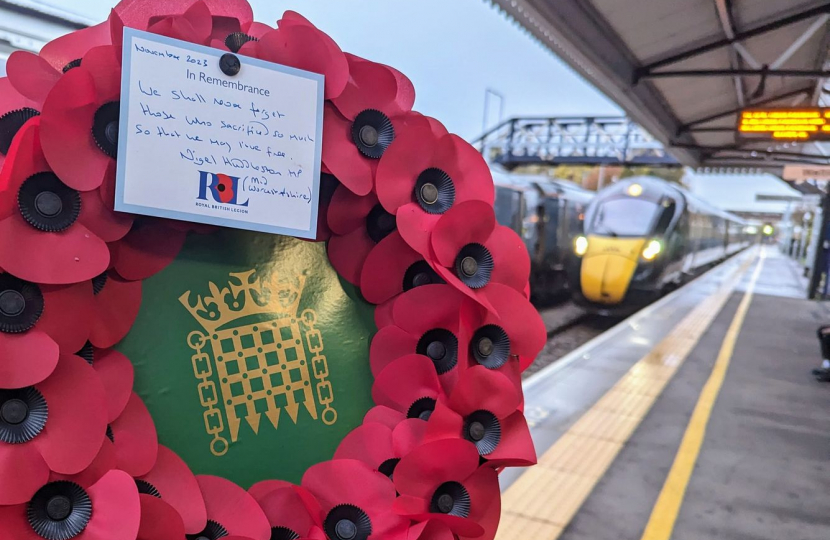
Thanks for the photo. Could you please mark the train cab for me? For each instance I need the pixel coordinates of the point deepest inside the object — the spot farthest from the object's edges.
(632, 232)
(642, 235)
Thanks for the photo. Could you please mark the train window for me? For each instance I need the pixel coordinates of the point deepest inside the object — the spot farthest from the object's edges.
(507, 208)
(666, 216)
(624, 216)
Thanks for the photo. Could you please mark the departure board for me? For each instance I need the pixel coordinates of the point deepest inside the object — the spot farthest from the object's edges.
(796, 124)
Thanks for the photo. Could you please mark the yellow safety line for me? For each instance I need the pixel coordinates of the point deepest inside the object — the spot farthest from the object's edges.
(666, 509)
(544, 499)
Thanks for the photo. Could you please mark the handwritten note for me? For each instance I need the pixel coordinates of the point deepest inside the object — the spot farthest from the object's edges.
(198, 145)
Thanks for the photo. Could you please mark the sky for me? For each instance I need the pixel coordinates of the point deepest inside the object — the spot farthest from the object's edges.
(452, 50)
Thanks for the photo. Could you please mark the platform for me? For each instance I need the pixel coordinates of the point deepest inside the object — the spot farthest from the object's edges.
(695, 418)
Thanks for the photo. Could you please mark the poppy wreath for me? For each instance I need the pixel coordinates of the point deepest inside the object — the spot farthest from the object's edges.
(407, 214)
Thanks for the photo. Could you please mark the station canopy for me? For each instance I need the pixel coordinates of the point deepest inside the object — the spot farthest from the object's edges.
(685, 69)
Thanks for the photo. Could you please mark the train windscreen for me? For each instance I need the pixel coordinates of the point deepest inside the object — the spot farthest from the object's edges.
(624, 216)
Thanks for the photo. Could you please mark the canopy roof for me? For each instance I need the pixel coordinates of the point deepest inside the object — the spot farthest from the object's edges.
(683, 68)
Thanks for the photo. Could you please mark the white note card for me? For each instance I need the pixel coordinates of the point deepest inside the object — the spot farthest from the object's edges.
(196, 144)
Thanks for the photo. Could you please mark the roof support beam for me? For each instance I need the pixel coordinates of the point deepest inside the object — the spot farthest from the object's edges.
(802, 73)
(724, 8)
(739, 37)
(798, 43)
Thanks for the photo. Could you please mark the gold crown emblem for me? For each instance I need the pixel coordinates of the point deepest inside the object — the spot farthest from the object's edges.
(244, 295)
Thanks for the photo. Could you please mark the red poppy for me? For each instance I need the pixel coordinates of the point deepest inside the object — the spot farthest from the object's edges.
(133, 434)
(516, 331)
(171, 480)
(159, 520)
(117, 303)
(392, 268)
(358, 224)
(103, 463)
(471, 250)
(291, 510)
(80, 120)
(381, 447)
(65, 52)
(228, 15)
(299, 44)
(116, 373)
(424, 174)
(360, 125)
(356, 501)
(107, 510)
(194, 25)
(442, 481)
(45, 236)
(36, 323)
(483, 409)
(431, 530)
(15, 110)
(148, 248)
(381, 414)
(427, 322)
(56, 425)
(231, 511)
(408, 385)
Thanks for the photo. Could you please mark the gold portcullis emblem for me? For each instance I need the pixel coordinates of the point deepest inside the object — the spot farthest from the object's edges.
(260, 351)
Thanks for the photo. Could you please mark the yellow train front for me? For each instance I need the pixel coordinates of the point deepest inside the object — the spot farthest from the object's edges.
(642, 236)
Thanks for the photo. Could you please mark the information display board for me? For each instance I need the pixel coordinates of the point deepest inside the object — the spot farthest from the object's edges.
(785, 124)
(237, 145)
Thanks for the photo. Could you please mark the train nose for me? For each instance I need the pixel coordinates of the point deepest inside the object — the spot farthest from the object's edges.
(607, 268)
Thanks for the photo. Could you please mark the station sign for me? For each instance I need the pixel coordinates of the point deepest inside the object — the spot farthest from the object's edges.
(800, 173)
(785, 124)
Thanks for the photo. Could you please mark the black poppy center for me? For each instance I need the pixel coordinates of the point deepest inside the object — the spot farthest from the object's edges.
(105, 128)
(72, 65)
(59, 510)
(387, 468)
(483, 429)
(347, 522)
(235, 41)
(12, 303)
(14, 411)
(87, 352)
(110, 435)
(23, 414)
(47, 204)
(440, 346)
(10, 124)
(147, 488)
(58, 507)
(474, 265)
(379, 223)
(469, 266)
(434, 191)
(99, 281)
(212, 531)
(369, 136)
(418, 274)
(451, 498)
(283, 533)
(422, 408)
(21, 304)
(490, 346)
(372, 133)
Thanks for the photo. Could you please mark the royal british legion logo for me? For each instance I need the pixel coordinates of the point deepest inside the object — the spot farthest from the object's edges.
(262, 352)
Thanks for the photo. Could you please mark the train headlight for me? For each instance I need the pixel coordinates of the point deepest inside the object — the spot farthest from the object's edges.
(652, 250)
(580, 245)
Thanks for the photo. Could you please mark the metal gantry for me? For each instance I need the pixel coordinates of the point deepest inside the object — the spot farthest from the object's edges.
(572, 141)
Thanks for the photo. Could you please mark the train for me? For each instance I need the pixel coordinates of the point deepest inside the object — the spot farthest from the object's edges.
(547, 213)
(642, 236)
